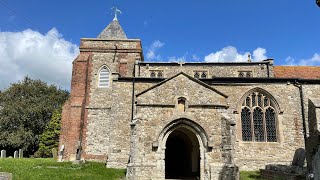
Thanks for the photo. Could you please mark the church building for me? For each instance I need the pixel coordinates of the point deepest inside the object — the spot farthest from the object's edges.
(184, 120)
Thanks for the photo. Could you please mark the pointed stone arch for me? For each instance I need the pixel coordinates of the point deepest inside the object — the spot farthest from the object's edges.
(275, 103)
(189, 124)
(258, 117)
(104, 77)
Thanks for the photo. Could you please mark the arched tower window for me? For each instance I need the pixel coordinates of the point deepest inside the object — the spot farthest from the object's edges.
(104, 77)
(258, 118)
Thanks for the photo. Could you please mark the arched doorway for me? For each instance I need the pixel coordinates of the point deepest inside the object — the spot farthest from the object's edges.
(182, 155)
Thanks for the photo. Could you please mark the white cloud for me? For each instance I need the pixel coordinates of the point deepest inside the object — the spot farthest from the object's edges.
(313, 61)
(259, 54)
(195, 58)
(151, 54)
(231, 54)
(40, 56)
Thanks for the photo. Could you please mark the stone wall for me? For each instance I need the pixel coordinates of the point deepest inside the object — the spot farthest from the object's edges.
(255, 155)
(212, 69)
(127, 124)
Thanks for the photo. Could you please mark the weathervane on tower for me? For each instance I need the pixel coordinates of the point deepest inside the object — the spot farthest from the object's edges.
(116, 12)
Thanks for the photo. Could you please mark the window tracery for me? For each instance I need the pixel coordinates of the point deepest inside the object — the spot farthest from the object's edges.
(258, 118)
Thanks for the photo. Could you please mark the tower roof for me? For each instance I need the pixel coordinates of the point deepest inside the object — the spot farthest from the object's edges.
(113, 31)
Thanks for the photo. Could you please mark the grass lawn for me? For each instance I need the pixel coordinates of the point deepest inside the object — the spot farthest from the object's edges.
(249, 175)
(49, 169)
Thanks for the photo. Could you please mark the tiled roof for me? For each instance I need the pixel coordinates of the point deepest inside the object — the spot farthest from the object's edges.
(113, 31)
(303, 72)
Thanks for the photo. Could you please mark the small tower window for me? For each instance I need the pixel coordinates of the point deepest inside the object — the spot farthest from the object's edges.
(181, 104)
(104, 77)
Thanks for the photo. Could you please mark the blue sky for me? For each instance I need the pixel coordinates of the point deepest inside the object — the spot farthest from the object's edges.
(285, 30)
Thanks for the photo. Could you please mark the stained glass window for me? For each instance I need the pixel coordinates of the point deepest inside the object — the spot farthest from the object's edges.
(271, 125)
(246, 124)
(258, 124)
(258, 118)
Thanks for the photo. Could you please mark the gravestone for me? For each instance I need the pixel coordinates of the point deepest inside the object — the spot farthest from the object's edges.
(54, 154)
(293, 172)
(20, 153)
(299, 157)
(15, 154)
(61, 153)
(5, 176)
(3, 153)
(316, 164)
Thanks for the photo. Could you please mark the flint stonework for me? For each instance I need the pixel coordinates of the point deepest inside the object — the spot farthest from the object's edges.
(147, 109)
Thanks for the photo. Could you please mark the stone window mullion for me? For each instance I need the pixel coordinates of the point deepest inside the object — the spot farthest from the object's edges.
(262, 118)
(264, 124)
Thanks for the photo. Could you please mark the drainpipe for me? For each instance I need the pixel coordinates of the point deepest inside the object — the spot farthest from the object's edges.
(299, 86)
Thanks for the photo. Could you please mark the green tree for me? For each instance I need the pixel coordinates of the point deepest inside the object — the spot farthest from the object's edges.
(50, 137)
(25, 110)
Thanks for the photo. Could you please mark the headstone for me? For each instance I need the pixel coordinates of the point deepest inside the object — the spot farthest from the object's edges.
(15, 154)
(61, 153)
(54, 154)
(20, 153)
(5, 176)
(299, 157)
(316, 164)
(3, 153)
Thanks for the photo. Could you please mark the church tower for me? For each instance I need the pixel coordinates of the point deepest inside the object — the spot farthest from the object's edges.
(87, 117)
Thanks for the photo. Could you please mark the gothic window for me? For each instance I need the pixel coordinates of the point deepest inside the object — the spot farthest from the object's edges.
(104, 77)
(152, 74)
(196, 75)
(200, 74)
(241, 74)
(204, 75)
(249, 74)
(245, 74)
(156, 73)
(258, 118)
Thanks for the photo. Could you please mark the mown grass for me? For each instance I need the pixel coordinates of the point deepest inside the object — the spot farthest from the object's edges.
(250, 175)
(41, 169)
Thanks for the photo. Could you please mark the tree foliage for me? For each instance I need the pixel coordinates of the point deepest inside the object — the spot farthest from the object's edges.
(50, 137)
(25, 110)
